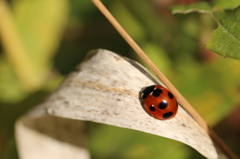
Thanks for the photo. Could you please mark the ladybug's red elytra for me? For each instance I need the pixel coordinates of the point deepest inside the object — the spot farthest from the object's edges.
(158, 102)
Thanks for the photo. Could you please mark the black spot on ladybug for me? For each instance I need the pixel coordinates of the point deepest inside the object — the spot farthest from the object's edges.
(170, 95)
(167, 115)
(163, 104)
(156, 92)
(152, 108)
(146, 91)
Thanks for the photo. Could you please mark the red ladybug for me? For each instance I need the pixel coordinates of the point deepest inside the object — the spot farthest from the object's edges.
(158, 102)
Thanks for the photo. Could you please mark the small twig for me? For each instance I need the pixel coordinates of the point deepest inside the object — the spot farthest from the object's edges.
(160, 75)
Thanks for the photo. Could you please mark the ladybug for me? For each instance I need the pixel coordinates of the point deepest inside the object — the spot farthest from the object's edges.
(158, 102)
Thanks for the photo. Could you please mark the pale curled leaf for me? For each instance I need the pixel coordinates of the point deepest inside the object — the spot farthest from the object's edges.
(48, 138)
(105, 89)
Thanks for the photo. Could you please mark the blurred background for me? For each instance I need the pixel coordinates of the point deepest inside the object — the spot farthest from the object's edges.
(41, 42)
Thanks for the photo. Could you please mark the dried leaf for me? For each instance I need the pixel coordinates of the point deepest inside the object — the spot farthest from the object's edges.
(105, 89)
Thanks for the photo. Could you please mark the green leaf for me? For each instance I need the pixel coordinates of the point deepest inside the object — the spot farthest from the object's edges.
(201, 7)
(223, 4)
(39, 26)
(225, 40)
(11, 90)
(41, 23)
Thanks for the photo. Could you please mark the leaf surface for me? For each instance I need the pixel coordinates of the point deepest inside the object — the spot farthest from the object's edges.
(225, 40)
(105, 89)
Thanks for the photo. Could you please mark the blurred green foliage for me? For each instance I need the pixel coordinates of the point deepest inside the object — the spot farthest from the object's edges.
(42, 41)
(225, 39)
